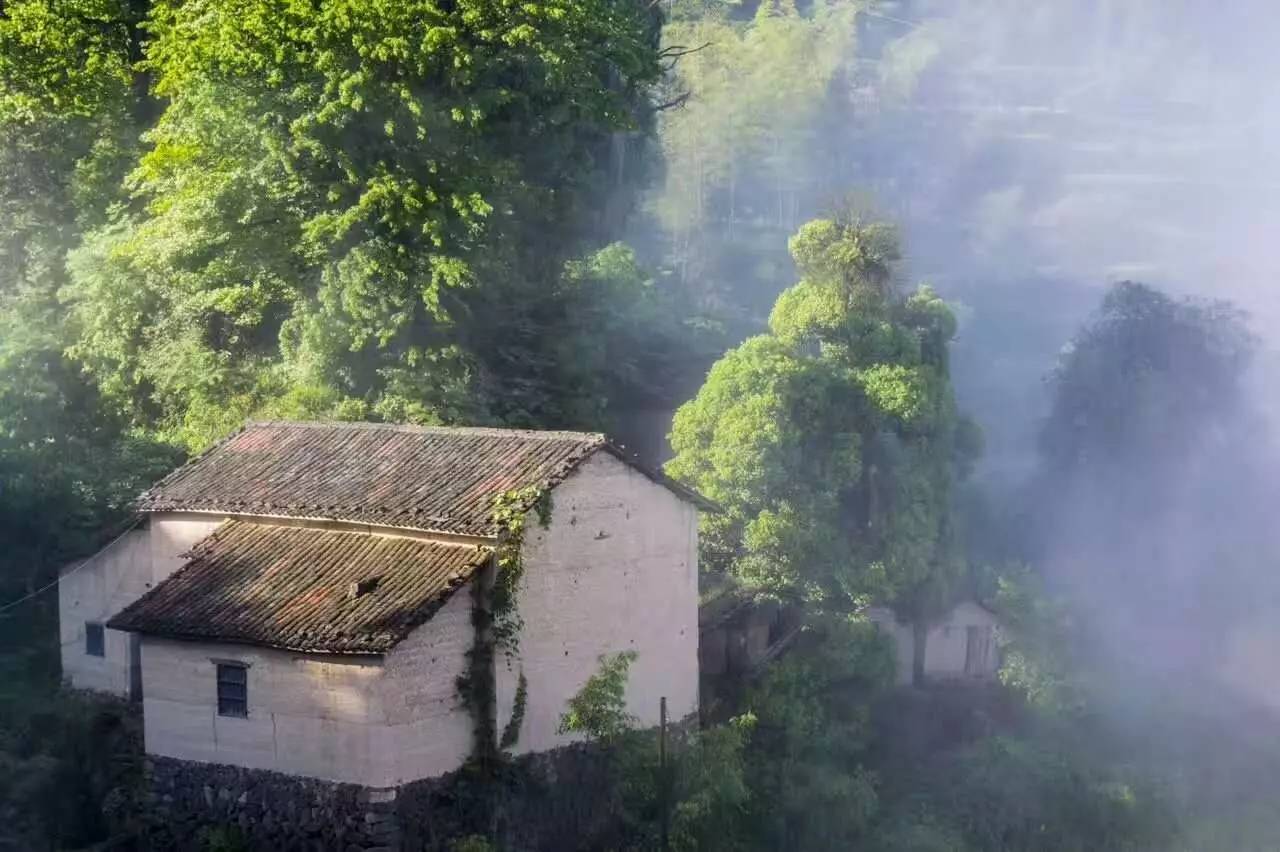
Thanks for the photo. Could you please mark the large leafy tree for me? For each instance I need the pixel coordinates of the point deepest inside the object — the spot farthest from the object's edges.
(1149, 513)
(833, 441)
(328, 210)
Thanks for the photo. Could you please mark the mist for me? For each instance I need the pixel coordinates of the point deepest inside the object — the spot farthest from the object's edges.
(1091, 187)
(1045, 152)
(1033, 155)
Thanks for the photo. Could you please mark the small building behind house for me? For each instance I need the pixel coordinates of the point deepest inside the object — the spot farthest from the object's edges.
(962, 645)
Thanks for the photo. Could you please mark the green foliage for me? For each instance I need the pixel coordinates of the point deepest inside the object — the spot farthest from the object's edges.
(497, 623)
(833, 442)
(1013, 794)
(1040, 645)
(743, 154)
(509, 515)
(1142, 378)
(705, 782)
(511, 731)
(65, 59)
(351, 202)
(473, 843)
(599, 709)
(72, 767)
(68, 467)
(222, 838)
(808, 786)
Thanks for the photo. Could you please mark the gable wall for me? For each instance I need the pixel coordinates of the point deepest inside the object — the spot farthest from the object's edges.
(109, 581)
(616, 570)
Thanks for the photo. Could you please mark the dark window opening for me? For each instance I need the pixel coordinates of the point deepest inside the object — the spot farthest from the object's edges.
(95, 640)
(977, 651)
(233, 690)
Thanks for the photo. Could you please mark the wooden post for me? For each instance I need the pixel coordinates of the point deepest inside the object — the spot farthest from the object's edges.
(664, 786)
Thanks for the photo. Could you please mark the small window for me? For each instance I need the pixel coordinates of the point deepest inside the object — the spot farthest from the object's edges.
(95, 643)
(233, 690)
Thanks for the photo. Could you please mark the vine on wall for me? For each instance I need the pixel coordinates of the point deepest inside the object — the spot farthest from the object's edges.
(510, 514)
(511, 733)
(496, 620)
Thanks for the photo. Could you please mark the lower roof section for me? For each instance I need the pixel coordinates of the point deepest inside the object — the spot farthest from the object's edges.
(303, 589)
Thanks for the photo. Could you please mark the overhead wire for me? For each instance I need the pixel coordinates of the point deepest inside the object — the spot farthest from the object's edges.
(62, 575)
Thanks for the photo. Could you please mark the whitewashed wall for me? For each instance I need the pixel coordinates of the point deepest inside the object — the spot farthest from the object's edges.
(115, 577)
(948, 642)
(316, 716)
(616, 570)
(428, 730)
(371, 720)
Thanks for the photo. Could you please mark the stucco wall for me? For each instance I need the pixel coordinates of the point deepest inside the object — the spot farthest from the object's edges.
(616, 570)
(363, 720)
(320, 717)
(948, 641)
(108, 582)
(429, 731)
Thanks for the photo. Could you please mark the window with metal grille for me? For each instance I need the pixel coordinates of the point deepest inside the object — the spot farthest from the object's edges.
(95, 640)
(233, 689)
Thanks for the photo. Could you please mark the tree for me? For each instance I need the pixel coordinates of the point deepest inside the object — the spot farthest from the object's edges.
(742, 156)
(1147, 377)
(833, 441)
(1148, 516)
(326, 204)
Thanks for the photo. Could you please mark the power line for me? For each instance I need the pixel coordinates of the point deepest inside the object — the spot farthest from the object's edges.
(882, 16)
(11, 604)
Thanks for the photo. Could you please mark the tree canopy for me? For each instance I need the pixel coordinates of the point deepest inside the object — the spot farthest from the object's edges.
(833, 441)
(249, 207)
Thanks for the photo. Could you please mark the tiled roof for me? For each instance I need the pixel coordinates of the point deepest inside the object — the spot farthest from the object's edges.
(292, 587)
(440, 479)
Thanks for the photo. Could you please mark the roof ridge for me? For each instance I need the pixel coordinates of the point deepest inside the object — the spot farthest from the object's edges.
(412, 428)
(371, 530)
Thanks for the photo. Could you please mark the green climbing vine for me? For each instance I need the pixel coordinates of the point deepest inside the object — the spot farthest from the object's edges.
(509, 515)
(497, 622)
(511, 733)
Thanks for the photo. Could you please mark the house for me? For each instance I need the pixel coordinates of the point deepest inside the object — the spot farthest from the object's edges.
(961, 645)
(304, 597)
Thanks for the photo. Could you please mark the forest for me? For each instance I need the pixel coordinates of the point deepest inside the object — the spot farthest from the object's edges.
(934, 302)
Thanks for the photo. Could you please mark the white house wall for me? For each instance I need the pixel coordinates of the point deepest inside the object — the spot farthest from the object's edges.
(616, 570)
(110, 580)
(948, 642)
(429, 731)
(317, 716)
(378, 721)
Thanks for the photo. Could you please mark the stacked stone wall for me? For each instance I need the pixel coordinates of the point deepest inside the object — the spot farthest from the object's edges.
(203, 805)
(557, 801)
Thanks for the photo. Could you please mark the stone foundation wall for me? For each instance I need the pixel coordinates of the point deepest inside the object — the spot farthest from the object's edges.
(192, 804)
(563, 800)
(558, 801)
